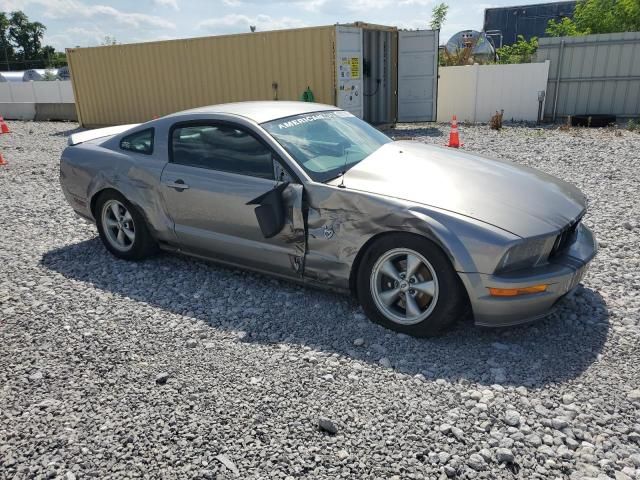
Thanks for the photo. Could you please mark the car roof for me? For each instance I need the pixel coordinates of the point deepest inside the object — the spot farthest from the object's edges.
(262, 111)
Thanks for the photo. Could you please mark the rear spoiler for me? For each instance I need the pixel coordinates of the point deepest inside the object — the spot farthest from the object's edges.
(87, 135)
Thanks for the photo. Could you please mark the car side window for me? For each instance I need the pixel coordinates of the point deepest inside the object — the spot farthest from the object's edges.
(221, 147)
(138, 142)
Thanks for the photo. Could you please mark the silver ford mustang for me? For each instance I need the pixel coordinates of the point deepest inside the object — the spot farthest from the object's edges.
(308, 192)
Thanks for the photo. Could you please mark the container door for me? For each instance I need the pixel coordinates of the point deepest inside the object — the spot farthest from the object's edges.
(417, 75)
(349, 69)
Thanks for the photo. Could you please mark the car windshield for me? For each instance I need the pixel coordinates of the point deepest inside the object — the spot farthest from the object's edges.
(325, 144)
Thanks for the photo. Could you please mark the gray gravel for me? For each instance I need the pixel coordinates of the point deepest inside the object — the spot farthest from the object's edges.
(176, 368)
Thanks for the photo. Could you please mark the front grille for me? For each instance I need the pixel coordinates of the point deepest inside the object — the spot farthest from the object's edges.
(565, 238)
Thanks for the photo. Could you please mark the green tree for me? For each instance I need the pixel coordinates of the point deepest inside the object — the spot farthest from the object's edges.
(53, 59)
(563, 28)
(607, 16)
(599, 16)
(21, 44)
(438, 16)
(6, 48)
(520, 52)
(56, 59)
(26, 35)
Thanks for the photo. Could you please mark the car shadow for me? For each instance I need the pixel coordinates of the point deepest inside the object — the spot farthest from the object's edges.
(269, 310)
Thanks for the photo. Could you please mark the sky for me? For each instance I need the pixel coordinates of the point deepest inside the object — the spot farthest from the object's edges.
(85, 23)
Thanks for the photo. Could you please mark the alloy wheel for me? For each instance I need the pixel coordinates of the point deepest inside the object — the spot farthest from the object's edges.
(118, 225)
(404, 286)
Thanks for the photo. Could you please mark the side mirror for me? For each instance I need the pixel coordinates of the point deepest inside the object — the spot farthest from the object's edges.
(270, 211)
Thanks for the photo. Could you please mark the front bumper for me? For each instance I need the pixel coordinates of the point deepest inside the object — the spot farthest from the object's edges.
(562, 275)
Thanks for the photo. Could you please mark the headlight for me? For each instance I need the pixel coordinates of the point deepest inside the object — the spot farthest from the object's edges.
(528, 253)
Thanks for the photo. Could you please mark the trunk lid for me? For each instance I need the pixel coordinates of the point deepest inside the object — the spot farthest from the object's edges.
(98, 133)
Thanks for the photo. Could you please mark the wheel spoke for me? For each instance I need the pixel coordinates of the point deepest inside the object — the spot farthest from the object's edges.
(115, 210)
(127, 216)
(111, 223)
(413, 310)
(129, 233)
(120, 237)
(390, 296)
(413, 263)
(428, 287)
(390, 271)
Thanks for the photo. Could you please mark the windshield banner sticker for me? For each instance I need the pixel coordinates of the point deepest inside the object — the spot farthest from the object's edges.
(312, 118)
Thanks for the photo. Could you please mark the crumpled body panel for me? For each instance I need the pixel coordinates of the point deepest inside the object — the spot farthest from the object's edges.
(341, 222)
(88, 170)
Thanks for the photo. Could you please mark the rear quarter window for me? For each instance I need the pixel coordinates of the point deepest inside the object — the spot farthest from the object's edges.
(138, 142)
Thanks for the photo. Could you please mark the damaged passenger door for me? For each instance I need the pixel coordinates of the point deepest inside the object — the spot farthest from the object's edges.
(220, 179)
(279, 213)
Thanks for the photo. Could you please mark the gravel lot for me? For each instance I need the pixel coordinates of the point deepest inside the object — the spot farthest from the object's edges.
(176, 368)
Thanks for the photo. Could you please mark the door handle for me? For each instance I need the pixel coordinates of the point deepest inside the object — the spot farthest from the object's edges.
(178, 185)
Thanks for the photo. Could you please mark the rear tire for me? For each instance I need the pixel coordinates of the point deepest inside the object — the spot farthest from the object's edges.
(406, 283)
(123, 230)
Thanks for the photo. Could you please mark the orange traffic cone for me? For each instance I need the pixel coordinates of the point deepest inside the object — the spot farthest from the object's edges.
(454, 136)
(2, 160)
(4, 128)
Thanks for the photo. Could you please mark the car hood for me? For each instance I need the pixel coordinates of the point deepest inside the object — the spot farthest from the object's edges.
(521, 200)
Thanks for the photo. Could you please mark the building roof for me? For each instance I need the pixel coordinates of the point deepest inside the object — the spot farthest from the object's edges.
(533, 5)
(264, 111)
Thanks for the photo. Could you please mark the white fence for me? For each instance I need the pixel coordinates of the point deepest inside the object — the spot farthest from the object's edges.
(54, 91)
(20, 100)
(473, 93)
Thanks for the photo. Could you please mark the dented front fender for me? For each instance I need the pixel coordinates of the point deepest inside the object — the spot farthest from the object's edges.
(340, 222)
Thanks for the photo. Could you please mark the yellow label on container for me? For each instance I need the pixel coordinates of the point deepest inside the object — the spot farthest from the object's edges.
(355, 67)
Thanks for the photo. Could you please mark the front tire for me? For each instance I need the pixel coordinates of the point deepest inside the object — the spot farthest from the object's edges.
(122, 228)
(407, 284)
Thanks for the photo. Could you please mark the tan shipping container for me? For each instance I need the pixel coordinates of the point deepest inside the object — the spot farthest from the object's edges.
(133, 83)
(376, 72)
